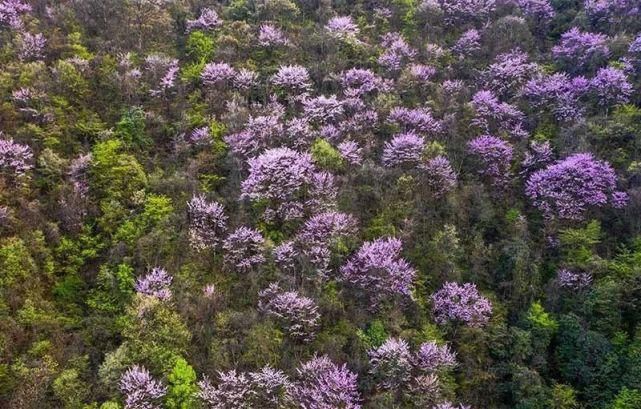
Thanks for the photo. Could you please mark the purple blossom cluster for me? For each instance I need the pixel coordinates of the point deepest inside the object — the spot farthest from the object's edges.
(244, 249)
(321, 384)
(141, 390)
(457, 11)
(342, 28)
(207, 21)
(351, 152)
(11, 12)
(568, 188)
(207, 223)
(279, 177)
(557, 93)
(396, 52)
(155, 284)
(378, 269)
(495, 157)
(538, 156)
(439, 176)
(297, 315)
(31, 46)
(357, 82)
(540, 11)
(271, 36)
(292, 78)
(468, 43)
(321, 233)
(268, 388)
(580, 49)
(15, 158)
(415, 119)
(259, 133)
(404, 150)
(573, 280)
(492, 115)
(509, 72)
(79, 174)
(421, 72)
(612, 11)
(395, 367)
(455, 303)
(218, 74)
(611, 87)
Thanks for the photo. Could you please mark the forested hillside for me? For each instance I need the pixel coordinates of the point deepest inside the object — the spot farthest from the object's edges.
(315, 204)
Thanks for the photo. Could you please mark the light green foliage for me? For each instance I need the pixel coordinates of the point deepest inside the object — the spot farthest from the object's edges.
(262, 345)
(200, 47)
(114, 289)
(562, 397)
(325, 155)
(627, 399)
(578, 243)
(15, 262)
(374, 335)
(70, 389)
(115, 174)
(156, 210)
(182, 386)
(131, 128)
(539, 318)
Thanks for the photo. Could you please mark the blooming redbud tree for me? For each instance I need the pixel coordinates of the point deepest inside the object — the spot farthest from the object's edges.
(267, 388)
(573, 280)
(292, 78)
(15, 158)
(321, 384)
(396, 52)
(568, 188)
(455, 303)
(611, 87)
(432, 357)
(11, 12)
(509, 72)
(391, 363)
(495, 157)
(438, 175)
(207, 223)
(244, 249)
(358, 82)
(378, 270)
(342, 28)
(79, 174)
(218, 74)
(207, 21)
(155, 284)
(580, 49)
(141, 390)
(321, 233)
(417, 119)
(297, 315)
(259, 133)
(557, 93)
(492, 115)
(404, 150)
(279, 177)
(271, 36)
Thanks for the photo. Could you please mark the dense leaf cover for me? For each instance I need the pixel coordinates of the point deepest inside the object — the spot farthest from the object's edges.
(288, 204)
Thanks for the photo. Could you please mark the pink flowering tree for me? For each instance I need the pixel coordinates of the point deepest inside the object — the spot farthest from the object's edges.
(207, 223)
(569, 188)
(378, 270)
(268, 388)
(244, 249)
(279, 179)
(155, 284)
(494, 156)
(140, 389)
(321, 384)
(460, 304)
(297, 315)
(15, 158)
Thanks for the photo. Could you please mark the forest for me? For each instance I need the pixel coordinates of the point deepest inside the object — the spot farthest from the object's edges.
(320, 204)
